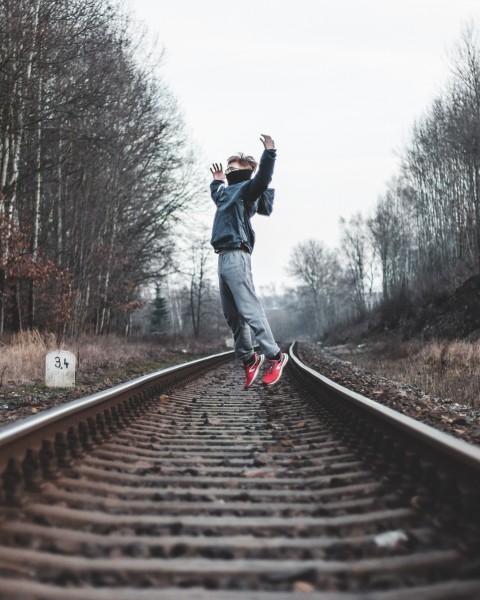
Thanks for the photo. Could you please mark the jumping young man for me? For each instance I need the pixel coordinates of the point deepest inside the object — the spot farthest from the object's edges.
(233, 239)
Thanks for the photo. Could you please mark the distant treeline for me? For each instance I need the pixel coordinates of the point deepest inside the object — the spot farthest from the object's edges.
(93, 167)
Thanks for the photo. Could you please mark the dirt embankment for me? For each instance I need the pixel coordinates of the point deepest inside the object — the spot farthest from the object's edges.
(447, 317)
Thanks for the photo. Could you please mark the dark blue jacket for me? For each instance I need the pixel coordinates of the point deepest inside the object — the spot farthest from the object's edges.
(236, 205)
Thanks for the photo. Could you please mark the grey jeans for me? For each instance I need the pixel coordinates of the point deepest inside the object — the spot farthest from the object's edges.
(242, 309)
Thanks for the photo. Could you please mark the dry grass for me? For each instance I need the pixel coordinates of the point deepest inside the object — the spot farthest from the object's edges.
(447, 369)
(22, 360)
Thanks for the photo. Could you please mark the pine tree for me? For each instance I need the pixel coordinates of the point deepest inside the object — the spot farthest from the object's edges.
(160, 316)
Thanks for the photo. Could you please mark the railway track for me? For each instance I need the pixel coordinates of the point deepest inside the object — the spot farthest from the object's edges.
(181, 485)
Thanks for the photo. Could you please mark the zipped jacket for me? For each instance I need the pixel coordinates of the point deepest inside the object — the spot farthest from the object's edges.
(236, 204)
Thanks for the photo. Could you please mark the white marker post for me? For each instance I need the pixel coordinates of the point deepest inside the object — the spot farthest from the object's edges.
(60, 369)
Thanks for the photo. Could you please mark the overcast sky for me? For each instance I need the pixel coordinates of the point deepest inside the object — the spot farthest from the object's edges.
(337, 84)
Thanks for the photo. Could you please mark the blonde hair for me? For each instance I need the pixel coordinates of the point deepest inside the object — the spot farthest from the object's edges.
(244, 160)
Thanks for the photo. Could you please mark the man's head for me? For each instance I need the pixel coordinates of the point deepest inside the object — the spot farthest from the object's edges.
(240, 161)
(240, 168)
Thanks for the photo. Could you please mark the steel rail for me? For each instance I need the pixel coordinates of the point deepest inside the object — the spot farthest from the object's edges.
(459, 458)
(30, 433)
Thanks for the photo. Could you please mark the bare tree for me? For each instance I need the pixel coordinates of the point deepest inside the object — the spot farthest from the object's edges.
(199, 285)
(359, 253)
(317, 269)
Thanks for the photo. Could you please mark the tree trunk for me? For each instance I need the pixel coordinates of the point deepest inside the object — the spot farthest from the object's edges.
(36, 204)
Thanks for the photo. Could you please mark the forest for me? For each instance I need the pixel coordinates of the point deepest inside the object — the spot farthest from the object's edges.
(95, 168)
(96, 173)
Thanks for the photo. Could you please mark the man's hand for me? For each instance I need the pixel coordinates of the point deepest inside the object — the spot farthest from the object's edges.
(267, 142)
(217, 172)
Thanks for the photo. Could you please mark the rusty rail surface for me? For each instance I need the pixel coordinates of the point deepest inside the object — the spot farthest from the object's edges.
(182, 485)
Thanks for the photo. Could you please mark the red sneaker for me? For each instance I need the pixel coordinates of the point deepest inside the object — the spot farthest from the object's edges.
(274, 369)
(251, 371)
